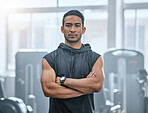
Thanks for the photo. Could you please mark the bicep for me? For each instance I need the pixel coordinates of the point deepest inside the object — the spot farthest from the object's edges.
(98, 69)
(48, 74)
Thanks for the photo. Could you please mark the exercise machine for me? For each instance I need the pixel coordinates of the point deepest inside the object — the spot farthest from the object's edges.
(121, 68)
(11, 104)
(27, 81)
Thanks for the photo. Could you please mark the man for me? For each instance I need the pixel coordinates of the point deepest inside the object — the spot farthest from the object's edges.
(73, 72)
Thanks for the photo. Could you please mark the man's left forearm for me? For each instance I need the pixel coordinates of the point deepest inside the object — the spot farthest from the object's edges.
(85, 85)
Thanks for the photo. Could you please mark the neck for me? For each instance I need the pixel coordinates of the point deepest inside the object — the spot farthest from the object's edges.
(76, 45)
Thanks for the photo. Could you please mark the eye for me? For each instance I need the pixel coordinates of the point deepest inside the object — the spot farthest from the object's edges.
(77, 25)
(67, 25)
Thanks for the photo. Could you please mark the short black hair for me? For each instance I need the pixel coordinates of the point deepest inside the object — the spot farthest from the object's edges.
(74, 12)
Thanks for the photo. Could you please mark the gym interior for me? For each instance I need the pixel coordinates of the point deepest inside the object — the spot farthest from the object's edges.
(116, 29)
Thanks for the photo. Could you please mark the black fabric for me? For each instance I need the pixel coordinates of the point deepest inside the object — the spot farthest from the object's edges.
(72, 63)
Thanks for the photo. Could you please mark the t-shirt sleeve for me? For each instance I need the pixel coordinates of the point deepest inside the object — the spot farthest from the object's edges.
(95, 56)
(50, 58)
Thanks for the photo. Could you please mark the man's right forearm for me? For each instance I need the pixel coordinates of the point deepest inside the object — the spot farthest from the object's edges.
(56, 91)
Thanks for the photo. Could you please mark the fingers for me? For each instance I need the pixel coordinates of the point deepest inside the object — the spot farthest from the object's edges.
(91, 74)
(57, 80)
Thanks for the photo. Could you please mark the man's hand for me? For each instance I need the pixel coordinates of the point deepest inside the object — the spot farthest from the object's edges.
(91, 74)
(58, 80)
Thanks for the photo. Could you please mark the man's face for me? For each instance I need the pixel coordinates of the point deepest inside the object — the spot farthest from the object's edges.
(72, 28)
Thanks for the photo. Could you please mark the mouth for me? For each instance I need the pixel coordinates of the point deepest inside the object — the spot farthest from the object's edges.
(72, 35)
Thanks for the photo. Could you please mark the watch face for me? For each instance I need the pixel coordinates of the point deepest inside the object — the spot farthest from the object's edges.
(62, 78)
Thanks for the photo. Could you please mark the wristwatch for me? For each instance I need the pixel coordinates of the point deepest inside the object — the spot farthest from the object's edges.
(62, 80)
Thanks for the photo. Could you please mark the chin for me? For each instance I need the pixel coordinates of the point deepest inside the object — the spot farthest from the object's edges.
(72, 41)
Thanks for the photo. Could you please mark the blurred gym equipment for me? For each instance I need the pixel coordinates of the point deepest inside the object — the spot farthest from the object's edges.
(143, 82)
(11, 104)
(2, 95)
(27, 81)
(103, 104)
(121, 67)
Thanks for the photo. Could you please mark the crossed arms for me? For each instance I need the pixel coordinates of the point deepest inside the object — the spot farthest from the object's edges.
(77, 87)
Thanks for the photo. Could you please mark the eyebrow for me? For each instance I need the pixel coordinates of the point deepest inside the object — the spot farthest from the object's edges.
(74, 23)
(78, 23)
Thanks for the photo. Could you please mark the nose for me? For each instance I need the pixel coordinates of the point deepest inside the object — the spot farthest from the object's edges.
(73, 29)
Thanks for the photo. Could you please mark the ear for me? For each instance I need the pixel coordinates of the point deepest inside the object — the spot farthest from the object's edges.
(62, 28)
(83, 30)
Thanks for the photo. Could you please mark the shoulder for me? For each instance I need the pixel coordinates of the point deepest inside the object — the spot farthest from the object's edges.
(51, 54)
(51, 58)
(94, 54)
